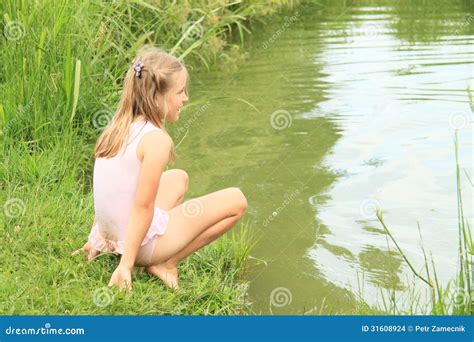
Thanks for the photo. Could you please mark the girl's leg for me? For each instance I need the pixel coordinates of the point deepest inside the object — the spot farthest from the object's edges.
(171, 191)
(173, 186)
(203, 239)
(193, 225)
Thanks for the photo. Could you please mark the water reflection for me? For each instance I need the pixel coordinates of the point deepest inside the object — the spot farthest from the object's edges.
(398, 106)
(367, 97)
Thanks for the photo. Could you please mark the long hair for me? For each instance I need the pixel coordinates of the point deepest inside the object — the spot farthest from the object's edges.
(140, 97)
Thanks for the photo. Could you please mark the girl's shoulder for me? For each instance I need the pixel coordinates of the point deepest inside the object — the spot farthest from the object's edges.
(157, 139)
(155, 143)
(141, 127)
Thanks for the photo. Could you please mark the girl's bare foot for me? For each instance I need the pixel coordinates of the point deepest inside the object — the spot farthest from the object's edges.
(168, 274)
(89, 252)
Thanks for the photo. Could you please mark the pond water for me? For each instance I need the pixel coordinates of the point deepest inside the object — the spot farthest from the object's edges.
(336, 111)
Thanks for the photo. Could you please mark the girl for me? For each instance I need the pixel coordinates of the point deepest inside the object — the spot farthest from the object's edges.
(138, 210)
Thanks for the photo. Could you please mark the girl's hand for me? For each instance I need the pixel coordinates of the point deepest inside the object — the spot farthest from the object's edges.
(89, 252)
(122, 277)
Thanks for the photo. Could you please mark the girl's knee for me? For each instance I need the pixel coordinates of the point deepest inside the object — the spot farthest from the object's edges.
(183, 174)
(182, 177)
(240, 201)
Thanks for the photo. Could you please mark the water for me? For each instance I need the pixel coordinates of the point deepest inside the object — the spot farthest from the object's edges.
(336, 111)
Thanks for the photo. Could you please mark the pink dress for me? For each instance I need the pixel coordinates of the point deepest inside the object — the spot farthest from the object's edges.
(115, 183)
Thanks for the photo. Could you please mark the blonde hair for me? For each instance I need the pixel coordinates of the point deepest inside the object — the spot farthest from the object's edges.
(140, 97)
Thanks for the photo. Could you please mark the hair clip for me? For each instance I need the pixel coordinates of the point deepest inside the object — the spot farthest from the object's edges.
(138, 66)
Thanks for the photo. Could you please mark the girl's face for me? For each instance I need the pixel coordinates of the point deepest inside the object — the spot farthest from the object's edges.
(176, 97)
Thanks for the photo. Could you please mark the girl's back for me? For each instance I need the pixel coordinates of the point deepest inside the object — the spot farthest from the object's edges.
(115, 183)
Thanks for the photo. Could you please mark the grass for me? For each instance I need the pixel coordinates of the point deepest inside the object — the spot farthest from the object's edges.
(39, 277)
(61, 66)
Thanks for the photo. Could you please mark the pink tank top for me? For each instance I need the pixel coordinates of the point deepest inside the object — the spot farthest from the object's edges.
(115, 183)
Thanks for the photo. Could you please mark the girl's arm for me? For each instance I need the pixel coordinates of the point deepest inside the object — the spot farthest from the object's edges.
(153, 151)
